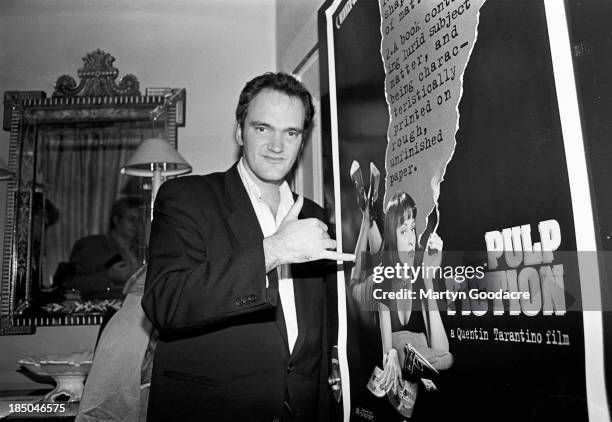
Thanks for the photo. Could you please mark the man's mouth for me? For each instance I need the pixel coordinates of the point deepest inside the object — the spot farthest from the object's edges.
(274, 160)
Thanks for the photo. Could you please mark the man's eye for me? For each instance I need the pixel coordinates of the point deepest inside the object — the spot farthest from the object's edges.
(260, 129)
(292, 133)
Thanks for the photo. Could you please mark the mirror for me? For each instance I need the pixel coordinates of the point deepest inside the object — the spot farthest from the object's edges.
(75, 227)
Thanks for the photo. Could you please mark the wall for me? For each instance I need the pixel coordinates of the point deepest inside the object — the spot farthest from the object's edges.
(297, 51)
(296, 31)
(209, 47)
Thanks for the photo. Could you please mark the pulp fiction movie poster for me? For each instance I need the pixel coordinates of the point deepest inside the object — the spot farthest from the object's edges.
(451, 185)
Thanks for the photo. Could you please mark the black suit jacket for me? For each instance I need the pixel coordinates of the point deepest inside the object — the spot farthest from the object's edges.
(222, 353)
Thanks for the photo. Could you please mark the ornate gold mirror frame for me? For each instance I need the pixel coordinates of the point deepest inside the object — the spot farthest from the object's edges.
(98, 100)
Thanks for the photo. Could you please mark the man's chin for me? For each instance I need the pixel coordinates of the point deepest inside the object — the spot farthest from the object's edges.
(276, 177)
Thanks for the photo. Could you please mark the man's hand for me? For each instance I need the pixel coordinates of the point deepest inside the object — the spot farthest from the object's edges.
(300, 241)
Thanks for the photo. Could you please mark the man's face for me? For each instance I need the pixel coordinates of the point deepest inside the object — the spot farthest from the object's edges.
(272, 136)
(127, 224)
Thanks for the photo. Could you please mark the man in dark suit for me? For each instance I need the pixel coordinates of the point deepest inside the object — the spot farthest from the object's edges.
(235, 283)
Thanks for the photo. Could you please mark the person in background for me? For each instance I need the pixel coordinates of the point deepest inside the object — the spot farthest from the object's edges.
(101, 264)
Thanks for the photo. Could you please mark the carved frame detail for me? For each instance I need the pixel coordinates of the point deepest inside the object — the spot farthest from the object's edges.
(97, 79)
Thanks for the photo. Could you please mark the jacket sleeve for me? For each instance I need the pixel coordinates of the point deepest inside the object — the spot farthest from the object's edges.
(191, 284)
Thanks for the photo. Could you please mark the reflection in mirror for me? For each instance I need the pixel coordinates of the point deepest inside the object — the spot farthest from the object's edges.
(75, 226)
(93, 219)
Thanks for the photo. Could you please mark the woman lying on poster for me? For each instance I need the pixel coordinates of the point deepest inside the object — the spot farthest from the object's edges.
(415, 345)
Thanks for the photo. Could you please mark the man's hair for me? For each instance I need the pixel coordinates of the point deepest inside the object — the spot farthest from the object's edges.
(120, 207)
(280, 82)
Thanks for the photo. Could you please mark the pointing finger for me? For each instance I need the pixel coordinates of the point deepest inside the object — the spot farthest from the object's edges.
(337, 256)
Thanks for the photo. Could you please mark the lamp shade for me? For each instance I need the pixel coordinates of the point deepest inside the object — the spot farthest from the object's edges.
(155, 151)
(5, 173)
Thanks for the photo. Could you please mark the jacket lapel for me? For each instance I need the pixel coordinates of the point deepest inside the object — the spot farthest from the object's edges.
(246, 229)
(242, 219)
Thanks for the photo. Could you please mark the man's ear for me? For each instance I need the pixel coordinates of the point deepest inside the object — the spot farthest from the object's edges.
(238, 135)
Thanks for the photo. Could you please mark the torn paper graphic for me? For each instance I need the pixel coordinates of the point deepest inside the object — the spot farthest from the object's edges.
(425, 48)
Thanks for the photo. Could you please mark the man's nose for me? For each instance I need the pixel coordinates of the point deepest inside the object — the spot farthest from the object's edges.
(276, 142)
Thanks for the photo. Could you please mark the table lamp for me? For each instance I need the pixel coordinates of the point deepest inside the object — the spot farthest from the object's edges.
(155, 158)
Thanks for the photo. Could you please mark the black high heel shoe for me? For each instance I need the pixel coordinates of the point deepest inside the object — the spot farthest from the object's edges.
(373, 192)
(358, 183)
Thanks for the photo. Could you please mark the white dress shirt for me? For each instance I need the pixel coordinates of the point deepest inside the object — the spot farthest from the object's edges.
(269, 225)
